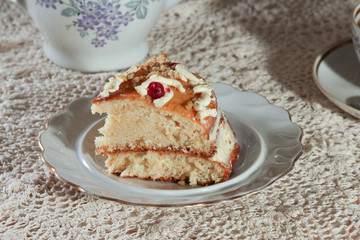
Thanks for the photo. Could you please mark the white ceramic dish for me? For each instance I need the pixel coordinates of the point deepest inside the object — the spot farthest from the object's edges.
(93, 36)
(269, 143)
(337, 74)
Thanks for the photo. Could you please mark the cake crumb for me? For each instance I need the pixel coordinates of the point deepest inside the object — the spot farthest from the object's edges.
(131, 76)
(189, 105)
(182, 183)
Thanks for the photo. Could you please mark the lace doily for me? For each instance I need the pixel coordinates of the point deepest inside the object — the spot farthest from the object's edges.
(267, 47)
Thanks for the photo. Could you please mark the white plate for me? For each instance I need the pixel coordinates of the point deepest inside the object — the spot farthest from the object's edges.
(269, 145)
(337, 75)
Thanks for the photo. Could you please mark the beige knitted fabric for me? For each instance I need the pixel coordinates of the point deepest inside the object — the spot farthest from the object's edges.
(262, 46)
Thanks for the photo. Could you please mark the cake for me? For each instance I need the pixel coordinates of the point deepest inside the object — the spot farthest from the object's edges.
(163, 123)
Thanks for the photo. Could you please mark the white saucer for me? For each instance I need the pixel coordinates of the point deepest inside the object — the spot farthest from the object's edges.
(337, 75)
(269, 145)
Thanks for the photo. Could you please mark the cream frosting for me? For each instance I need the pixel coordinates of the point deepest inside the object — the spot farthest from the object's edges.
(164, 99)
(225, 142)
(205, 99)
(214, 131)
(112, 85)
(186, 75)
(199, 86)
(202, 88)
(143, 88)
(206, 112)
(133, 69)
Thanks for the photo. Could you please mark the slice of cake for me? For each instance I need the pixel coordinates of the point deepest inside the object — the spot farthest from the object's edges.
(163, 123)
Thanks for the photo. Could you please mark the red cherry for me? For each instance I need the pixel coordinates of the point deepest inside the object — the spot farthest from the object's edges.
(156, 90)
(172, 65)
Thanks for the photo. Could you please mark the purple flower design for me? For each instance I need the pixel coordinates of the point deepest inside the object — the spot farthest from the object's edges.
(100, 19)
(87, 22)
(49, 3)
(107, 30)
(126, 18)
(92, 12)
(111, 11)
(89, 9)
(97, 42)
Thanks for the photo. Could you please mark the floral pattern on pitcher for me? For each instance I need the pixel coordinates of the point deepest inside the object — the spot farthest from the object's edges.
(101, 19)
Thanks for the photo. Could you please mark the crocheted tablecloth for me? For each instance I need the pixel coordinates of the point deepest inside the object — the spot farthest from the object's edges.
(262, 46)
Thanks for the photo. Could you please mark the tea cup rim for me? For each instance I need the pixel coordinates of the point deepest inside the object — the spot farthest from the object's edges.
(355, 12)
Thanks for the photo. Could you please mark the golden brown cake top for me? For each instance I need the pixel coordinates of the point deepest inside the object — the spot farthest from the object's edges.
(166, 85)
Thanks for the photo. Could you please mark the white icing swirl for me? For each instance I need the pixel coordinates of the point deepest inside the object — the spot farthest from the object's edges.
(200, 86)
(203, 111)
(186, 75)
(114, 83)
(205, 99)
(202, 114)
(205, 90)
(133, 69)
(143, 88)
(164, 99)
(112, 86)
